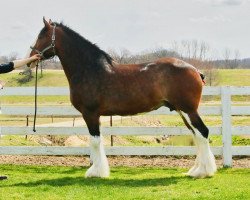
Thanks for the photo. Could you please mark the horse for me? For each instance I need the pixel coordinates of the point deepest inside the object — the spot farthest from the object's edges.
(101, 87)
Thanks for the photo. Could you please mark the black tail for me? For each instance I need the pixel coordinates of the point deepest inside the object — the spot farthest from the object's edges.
(202, 77)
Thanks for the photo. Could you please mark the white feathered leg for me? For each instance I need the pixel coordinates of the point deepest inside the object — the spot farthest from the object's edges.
(205, 162)
(100, 166)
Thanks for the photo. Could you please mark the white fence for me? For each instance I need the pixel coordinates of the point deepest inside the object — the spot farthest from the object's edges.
(226, 110)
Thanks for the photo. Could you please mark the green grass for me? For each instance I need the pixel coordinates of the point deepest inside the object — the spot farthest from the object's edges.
(6, 120)
(15, 140)
(234, 77)
(29, 100)
(49, 78)
(40, 182)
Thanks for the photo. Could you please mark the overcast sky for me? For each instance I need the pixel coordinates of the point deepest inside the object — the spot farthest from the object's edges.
(136, 25)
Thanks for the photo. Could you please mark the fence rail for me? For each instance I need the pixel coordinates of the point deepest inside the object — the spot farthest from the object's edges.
(226, 110)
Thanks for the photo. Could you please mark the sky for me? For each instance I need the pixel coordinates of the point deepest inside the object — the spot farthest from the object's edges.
(135, 25)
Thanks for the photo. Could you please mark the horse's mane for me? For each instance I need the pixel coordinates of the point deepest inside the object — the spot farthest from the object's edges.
(82, 43)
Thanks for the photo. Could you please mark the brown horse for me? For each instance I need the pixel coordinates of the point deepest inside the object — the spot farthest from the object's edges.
(99, 86)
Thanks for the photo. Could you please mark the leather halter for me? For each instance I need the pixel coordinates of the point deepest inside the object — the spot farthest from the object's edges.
(41, 53)
(52, 45)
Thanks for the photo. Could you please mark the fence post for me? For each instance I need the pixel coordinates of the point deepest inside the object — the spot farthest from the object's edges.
(111, 137)
(226, 126)
(27, 124)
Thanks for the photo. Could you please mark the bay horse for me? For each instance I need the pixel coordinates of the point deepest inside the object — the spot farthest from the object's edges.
(99, 86)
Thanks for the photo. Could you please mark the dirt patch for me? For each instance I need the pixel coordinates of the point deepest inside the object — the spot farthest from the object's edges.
(129, 161)
(74, 141)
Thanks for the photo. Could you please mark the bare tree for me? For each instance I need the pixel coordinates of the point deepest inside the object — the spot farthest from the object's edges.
(186, 45)
(204, 48)
(3, 59)
(191, 49)
(194, 46)
(123, 57)
(212, 74)
(226, 56)
(12, 56)
(236, 60)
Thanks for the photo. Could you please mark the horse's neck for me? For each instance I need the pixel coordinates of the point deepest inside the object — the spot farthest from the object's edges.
(70, 59)
(74, 64)
(68, 67)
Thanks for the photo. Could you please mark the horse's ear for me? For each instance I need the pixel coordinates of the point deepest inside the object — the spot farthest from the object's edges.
(46, 24)
(50, 22)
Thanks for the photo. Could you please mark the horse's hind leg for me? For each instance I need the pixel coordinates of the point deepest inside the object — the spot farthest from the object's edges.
(100, 166)
(205, 163)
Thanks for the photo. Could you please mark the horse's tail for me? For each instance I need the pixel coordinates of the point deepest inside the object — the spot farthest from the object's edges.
(202, 77)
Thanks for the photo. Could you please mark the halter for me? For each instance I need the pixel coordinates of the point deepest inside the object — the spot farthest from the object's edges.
(41, 53)
(52, 45)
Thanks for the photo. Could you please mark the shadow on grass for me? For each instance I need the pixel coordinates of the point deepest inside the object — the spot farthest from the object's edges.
(41, 169)
(131, 177)
(117, 182)
(120, 177)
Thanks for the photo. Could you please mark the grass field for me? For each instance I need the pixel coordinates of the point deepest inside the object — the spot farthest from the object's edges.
(40, 182)
(234, 77)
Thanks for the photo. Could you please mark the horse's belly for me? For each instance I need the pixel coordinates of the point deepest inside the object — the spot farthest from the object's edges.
(131, 108)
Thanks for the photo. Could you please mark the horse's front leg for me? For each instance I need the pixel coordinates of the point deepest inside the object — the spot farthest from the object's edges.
(100, 166)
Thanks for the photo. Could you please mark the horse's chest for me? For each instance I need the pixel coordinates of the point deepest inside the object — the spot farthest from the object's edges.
(82, 98)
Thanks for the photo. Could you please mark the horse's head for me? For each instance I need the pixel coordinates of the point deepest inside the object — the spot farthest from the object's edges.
(46, 41)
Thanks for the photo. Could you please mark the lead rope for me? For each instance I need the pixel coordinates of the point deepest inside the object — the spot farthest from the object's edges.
(34, 124)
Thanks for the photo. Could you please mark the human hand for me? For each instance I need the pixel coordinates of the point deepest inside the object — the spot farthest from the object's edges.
(35, 57)
(33, 60)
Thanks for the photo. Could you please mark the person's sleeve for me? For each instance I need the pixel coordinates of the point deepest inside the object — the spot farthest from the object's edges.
(5, 68)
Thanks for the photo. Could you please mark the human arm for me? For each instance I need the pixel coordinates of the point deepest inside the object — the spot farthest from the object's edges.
(8, 67)
(25, 61)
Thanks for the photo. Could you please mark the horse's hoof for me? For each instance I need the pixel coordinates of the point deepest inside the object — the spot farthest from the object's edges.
(93, 171)
(201, 172)
(197, 174)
